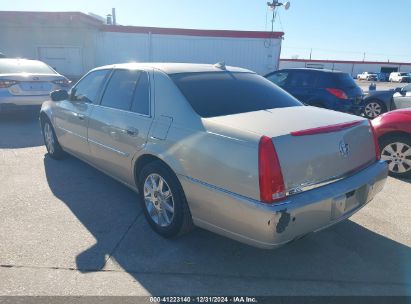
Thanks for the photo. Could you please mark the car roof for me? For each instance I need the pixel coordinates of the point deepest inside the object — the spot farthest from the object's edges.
(175, 68)
(311, 69)
(11, 60)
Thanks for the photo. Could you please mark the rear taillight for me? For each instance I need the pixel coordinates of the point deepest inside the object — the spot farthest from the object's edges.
(7, 83)
(376, 144)
(340, 94)
(271, 179)
(62, 82)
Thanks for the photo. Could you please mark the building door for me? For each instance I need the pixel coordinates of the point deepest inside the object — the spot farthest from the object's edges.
(65, 60)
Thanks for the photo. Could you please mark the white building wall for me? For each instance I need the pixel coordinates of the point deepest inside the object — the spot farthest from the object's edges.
(252, 53)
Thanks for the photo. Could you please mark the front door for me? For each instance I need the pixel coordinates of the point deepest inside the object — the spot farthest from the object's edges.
(402, 99)
(119, 126)
(72, 115)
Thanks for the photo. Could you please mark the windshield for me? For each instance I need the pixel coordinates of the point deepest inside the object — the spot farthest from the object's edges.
(225, 93)
(16, 66)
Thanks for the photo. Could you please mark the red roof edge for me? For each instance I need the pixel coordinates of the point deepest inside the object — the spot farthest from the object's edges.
(346, 61)
(191, 32)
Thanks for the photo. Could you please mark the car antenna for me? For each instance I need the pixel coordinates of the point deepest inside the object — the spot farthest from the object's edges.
(221, 65)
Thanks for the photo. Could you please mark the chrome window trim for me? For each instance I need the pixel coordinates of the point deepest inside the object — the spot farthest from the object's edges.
(100, 99)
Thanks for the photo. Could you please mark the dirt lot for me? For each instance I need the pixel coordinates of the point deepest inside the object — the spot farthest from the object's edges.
(67, 229)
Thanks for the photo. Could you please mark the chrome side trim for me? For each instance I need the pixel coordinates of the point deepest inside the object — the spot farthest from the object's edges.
(72, 133)
(232, 194)
(123, 154)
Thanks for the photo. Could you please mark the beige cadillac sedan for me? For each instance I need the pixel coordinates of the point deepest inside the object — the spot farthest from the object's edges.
(217, 147)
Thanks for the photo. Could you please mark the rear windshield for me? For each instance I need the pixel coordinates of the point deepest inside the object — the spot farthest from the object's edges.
(13, 66)
(345, 80)
(224, 93)
(404, 74)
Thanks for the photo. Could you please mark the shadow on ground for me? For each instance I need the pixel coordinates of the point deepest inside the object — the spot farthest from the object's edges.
(20, 130)
(345, 254)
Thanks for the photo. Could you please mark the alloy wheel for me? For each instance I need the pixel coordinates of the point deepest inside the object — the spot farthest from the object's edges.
(398, 157)
(373, 109)
(159, 200)
(49, 138)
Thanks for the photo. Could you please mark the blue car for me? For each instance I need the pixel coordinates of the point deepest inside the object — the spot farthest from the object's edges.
(321, 88)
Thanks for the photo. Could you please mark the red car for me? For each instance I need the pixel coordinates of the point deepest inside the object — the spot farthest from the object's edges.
(393, 130)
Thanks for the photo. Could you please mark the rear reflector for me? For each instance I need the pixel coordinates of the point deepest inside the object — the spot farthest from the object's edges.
(271, 180)
(376, 144)
(337, 93)
(327, 129)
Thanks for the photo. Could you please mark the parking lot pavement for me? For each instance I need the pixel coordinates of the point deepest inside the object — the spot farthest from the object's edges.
(381, 86)
(67, 229)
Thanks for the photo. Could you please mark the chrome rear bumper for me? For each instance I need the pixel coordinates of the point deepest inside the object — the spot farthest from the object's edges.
(269, 226)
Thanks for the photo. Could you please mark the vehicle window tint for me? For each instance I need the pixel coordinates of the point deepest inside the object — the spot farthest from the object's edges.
(407, 88)
(225, 93)
(279, 78)
(120, 89)
(302, 79)
(141, 99)
(326, 80)
(89, 87)
(345, 80)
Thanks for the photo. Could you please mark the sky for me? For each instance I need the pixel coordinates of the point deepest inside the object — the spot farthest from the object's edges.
(377, 30)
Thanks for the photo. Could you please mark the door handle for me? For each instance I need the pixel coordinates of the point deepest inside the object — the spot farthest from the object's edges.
(132, 131)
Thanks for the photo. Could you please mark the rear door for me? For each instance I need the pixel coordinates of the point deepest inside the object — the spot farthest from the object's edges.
(119, 126)
(301, 84)
(71, 116)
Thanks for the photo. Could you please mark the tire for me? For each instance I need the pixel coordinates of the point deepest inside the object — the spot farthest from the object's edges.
(374, 108)
(399, 165)
(50, 140)
(171, 216)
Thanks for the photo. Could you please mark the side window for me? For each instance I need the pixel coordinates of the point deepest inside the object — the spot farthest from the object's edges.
(120, 89)
(302, 79)
(141, 100)
(326, 80)
(89, 87)
(279, 78)
(407, 88)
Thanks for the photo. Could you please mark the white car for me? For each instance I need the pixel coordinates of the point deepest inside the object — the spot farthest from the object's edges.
(26, 84)
(400, 77)
(369, 76)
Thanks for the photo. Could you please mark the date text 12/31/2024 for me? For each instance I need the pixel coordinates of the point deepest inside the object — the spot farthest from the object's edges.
(200, 299)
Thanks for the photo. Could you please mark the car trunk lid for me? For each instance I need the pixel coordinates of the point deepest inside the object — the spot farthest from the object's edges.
(31, 84)
(309, 154)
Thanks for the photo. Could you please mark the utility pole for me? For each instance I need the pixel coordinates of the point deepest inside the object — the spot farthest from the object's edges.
(311, 53)
(363, 58)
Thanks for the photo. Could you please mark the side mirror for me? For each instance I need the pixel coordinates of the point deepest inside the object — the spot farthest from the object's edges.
(59, 95)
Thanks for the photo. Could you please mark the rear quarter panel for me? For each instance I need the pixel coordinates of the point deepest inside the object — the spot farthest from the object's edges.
(205, 153)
